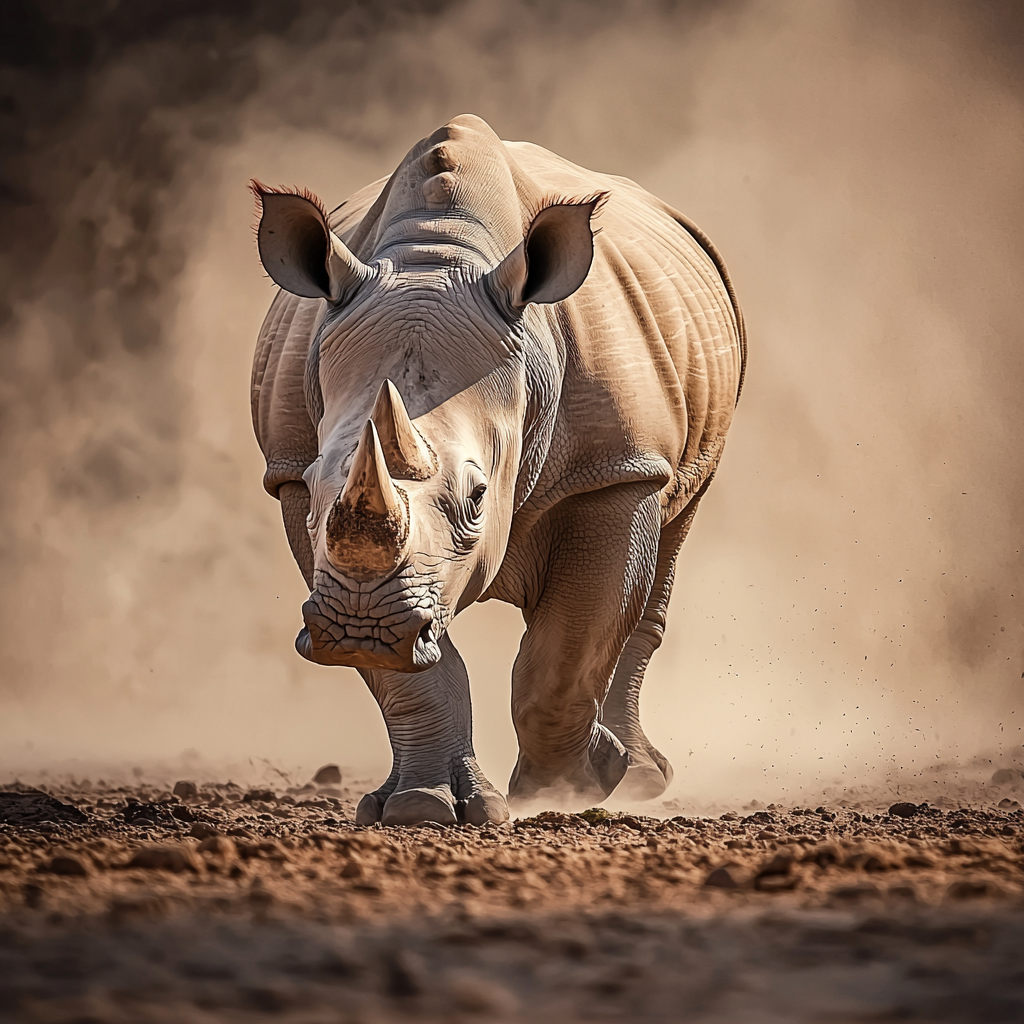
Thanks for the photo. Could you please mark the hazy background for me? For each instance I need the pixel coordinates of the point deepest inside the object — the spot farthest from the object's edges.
(846, 614)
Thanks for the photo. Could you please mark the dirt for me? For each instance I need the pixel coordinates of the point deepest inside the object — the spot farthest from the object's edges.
(213, 903)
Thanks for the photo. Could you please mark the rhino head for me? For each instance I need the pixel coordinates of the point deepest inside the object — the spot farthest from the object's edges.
(420, 384)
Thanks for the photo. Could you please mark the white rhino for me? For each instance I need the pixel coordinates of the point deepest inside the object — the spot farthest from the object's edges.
(493, 375)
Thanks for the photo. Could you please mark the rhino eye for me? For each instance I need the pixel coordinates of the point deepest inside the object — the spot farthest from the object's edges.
(476, 496)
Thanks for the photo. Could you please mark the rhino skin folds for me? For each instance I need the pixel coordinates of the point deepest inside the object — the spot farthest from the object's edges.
(493, 374)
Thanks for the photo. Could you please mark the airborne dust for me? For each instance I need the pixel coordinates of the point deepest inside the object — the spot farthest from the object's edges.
(846, 615)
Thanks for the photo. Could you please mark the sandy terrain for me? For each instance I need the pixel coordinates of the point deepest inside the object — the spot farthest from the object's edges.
(216, 904)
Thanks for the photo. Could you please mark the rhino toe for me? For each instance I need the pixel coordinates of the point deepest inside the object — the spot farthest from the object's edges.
(644, 780)
(482, 807)
(369, 810)
(411, 806)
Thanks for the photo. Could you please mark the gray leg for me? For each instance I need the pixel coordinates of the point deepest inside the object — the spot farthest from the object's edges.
(649, 771)
(294, 496)
(434, 776)
(599, 553)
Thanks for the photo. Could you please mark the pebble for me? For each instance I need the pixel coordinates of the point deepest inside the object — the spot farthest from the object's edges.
(904, 810)
(329, 775)
(65, 864)
(219, 846)
(163, 858)
(185, 790)
(780, 864)
(725, 877)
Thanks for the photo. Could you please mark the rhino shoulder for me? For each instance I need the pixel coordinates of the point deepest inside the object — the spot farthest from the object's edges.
(285, 432)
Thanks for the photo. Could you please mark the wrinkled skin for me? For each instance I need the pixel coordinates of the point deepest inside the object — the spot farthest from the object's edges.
(464, 393)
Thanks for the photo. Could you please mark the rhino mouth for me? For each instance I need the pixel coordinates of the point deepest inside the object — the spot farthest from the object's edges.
(391, 625)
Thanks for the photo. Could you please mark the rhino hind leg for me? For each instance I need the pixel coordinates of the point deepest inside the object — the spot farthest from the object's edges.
(601, 549)
(649, 773)
(435, 775)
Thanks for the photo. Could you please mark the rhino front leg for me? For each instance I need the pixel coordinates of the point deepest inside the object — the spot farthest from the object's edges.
(599, 552)
(435, 776)
(649, 772)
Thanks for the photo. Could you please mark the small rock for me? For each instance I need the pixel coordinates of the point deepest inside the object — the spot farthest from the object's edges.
(183, 813)
(218, 846)
(149, 814)
(352, 869)
(185, 790)
(203, 830)
(65, 864)
(972, 889)
(265, 850)
(903, 892)
(918, 860)
(260, 795)
(904, 810)
(856, 893)
(163, 858)
(780, 864)
(767, 834)
(866, 860)
(776, 875)
(824, 855)
(329, 775)
(725, 877)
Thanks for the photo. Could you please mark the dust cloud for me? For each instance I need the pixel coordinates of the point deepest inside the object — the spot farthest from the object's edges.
(846, 617)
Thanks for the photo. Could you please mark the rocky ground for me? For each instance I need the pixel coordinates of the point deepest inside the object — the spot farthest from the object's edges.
(215, 903)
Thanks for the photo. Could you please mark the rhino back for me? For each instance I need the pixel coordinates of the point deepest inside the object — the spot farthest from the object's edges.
(654, 347)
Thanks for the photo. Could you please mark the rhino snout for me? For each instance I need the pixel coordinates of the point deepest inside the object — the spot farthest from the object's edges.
(395, 628)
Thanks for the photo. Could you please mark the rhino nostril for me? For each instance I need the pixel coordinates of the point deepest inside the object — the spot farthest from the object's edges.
(426, 633)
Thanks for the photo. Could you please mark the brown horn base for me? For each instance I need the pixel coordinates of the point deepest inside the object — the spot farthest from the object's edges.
(363, 544)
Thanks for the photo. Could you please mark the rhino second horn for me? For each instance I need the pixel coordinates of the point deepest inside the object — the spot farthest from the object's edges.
(368, 525)
(408, 455)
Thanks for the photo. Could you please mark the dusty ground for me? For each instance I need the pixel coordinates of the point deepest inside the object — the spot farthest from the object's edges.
(217, 904)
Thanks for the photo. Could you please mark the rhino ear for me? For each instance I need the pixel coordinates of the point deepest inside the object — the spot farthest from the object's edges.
(298, 249)
(555, 256)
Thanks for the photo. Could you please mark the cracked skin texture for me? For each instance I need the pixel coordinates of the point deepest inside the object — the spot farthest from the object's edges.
(596, 417)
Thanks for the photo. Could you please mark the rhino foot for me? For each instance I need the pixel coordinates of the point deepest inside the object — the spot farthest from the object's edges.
(602, 768)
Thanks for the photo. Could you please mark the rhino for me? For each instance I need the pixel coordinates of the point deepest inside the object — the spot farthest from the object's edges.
(493, 375)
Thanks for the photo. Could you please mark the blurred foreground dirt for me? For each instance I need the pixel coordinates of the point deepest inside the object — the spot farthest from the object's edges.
(135, 904)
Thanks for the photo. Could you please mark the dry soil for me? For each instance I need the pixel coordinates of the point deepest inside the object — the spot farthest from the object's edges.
(212, 903)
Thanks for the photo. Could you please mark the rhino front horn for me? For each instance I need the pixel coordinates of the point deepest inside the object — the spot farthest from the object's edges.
(408, 455)
(368, 525)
